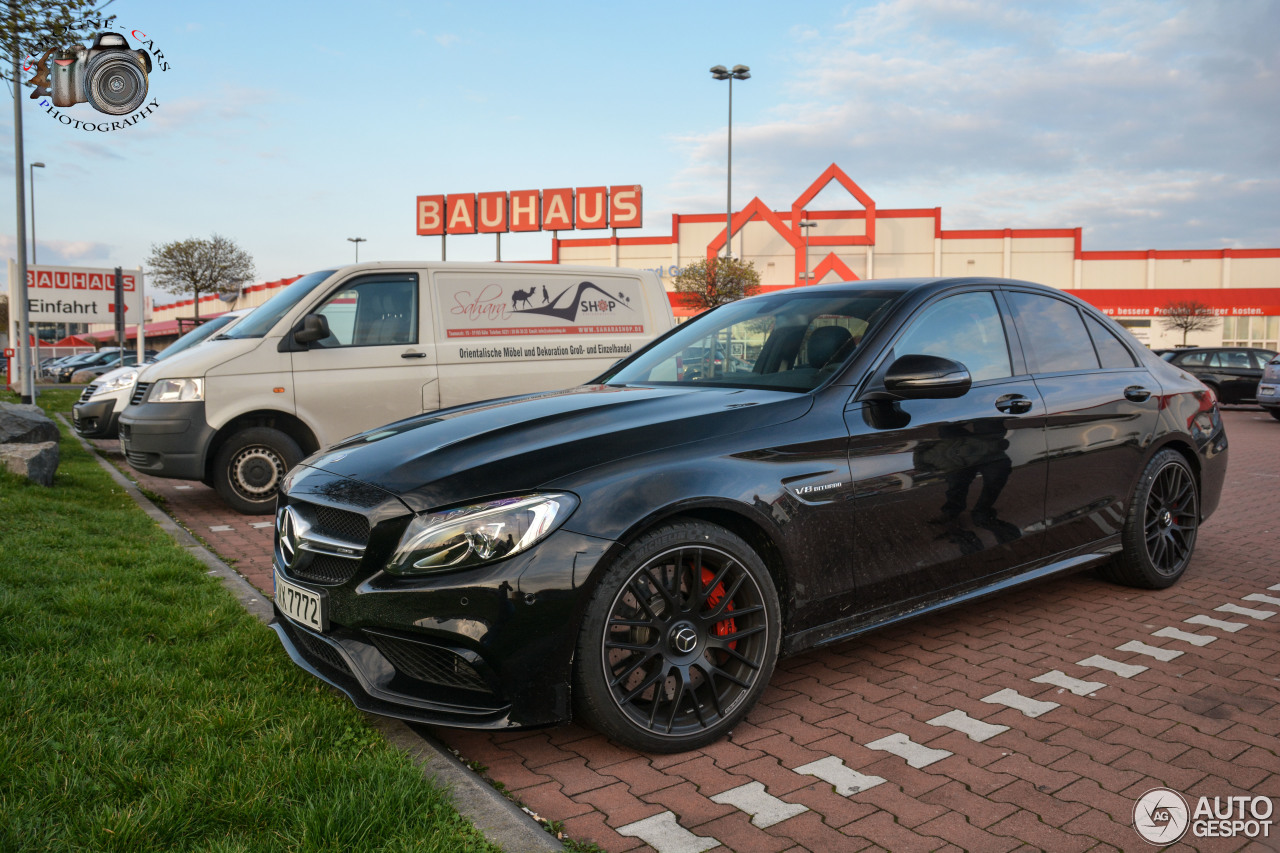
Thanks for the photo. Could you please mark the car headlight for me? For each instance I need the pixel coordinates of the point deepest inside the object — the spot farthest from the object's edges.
(120, 383)
(478, 534)
(176, 391)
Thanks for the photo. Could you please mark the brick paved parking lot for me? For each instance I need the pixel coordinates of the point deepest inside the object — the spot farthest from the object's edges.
(1034, 720)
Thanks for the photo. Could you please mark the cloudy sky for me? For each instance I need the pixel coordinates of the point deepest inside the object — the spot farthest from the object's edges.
(291, 126)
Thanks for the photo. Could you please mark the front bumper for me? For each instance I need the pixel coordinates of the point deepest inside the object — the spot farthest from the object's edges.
(166, 439)
(95, 418)
(487, 648)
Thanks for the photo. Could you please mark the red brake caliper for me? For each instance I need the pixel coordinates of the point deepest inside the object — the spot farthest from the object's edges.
(724, 627)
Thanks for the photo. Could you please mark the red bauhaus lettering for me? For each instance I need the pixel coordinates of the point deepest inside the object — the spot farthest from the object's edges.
(524, 210)
(493, 213)
(79, 281)
(593, 207)
(462, 213)
(430, 214)
(557, 210)
(625, 207)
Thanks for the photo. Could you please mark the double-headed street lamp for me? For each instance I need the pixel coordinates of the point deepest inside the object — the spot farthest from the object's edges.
(805, 225)
(357, 241)
(739, 72)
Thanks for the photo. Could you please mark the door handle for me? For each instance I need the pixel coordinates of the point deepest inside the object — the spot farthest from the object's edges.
(1137, 394)
(413, 355)
(1013, 404)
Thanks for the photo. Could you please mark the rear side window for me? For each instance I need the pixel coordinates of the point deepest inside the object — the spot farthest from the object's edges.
(1052, 333)
(1111, 352)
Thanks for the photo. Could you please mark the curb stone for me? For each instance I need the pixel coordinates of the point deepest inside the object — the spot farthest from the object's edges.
(501, 821)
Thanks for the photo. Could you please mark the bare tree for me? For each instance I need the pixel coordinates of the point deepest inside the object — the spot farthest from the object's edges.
(216, 265)
(1187, 316)
(34, 28)
(715, 281)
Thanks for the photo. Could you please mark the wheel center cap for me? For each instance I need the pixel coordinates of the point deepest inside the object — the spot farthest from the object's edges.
(684, 638)
(1166, 518)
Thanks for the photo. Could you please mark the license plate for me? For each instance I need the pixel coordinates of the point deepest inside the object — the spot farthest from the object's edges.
(1267, 390)
(301, 605)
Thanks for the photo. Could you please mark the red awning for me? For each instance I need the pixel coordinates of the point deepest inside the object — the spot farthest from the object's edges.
(73, 341)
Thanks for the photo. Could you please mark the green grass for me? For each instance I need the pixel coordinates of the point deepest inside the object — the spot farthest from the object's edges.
(143, 709)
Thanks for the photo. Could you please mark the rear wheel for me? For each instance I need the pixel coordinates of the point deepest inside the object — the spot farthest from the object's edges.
(1275, 413)
(250, 466)
(679, 640)
(1160, 532)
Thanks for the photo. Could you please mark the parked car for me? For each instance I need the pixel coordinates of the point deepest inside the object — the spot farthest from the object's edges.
(341, 351)
(640, 550)
(107, 355)
(97, 413)
(1269, 388)
(88, 374)
(72, 361)
(1231, 372)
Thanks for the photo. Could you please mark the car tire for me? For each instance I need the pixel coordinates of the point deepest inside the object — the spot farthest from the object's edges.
(250, 466)
(1275, 413)
(679, 639)
(1159, 534)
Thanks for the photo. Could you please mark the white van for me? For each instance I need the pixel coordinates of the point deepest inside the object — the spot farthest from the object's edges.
(341, 351)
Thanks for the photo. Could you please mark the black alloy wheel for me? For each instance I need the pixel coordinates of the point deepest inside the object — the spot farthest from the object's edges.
(1160, 532)
(680, 640)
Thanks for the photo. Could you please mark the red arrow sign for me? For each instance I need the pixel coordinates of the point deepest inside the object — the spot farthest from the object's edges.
(111, 306)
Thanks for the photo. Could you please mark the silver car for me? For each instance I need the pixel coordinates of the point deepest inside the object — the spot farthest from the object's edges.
(1269, 388)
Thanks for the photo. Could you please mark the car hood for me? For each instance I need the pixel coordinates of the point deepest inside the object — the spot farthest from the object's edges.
(516, 444)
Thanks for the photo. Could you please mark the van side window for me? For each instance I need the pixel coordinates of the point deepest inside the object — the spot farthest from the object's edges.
(372, 313)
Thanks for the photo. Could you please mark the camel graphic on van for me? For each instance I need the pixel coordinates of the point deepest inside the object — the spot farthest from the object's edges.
(587, 297)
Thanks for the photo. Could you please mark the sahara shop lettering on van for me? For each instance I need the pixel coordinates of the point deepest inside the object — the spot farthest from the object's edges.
(488, 304)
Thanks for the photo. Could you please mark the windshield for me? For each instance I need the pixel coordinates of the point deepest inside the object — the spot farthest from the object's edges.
(266, 315)
(785, 341)
(198, 335)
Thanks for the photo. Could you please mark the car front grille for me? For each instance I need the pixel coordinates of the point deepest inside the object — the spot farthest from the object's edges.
(341, 524)
(314, 648)
(431, 664)
(89, 391)
(326, 569)
(139, 393)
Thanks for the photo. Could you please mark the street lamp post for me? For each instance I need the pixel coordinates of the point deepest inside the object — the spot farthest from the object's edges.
(32, 181)
(739, 72)
(357, 241)
(805, 225)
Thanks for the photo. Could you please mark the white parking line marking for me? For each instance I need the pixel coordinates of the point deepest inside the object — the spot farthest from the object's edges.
(1156, 652)
(1124, 670)
(963, 723)
(182, 488)
(1275, 587)
(1075, 685)
(917, 755)
(1244, 611)
(1216, 623)
(1262, 599)
(221, 528)
(664, 834)
(1185, 636)
(764, 808)
(258, 525)
(847, 782)
(1015, 700)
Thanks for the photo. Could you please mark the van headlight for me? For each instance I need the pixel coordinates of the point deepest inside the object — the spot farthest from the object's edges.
(176, 391)
(120, 383)
(479, 534)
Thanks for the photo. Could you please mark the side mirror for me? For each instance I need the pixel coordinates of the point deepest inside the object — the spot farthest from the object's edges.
(314, 327)
(927, 377)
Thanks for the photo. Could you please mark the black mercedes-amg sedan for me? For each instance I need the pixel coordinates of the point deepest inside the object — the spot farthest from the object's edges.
(639, 551)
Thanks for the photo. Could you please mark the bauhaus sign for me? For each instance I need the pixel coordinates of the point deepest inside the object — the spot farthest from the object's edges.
(80, 295)
(584, 208)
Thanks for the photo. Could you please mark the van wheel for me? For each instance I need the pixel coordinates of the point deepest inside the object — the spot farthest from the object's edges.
(250, 466)
(679, 639)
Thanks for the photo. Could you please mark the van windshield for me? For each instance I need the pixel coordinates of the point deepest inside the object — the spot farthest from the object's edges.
(199, 334)
(266, 315)
(785, 341)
